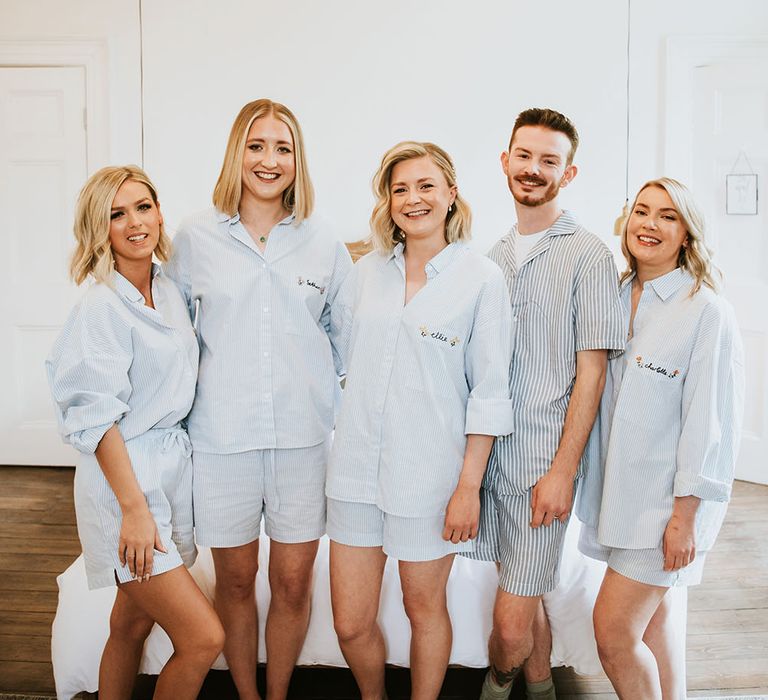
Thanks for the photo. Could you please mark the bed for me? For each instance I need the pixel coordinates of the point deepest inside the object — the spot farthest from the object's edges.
(81, 626)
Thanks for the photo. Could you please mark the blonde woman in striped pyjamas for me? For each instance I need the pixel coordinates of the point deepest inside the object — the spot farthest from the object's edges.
(259, 274)
(662, 454)
(122, 374)
(424, 331)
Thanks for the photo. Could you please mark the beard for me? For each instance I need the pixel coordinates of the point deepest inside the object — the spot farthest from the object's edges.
(537, 199)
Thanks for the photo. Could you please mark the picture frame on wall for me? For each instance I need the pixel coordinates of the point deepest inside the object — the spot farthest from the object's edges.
(741, 194)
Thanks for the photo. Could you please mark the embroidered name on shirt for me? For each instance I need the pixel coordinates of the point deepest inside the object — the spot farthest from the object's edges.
(310, 283)
(654, 368)
(437, 335)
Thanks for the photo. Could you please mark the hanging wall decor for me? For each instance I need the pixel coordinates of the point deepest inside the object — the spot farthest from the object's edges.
(741, 189)
(741, 193)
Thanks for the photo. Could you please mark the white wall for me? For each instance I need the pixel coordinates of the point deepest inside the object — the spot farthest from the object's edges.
(362, 76)
(116, 22)
(652, 22)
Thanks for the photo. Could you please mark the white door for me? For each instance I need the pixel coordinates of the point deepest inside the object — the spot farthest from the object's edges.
(42, 166)
(730, 114)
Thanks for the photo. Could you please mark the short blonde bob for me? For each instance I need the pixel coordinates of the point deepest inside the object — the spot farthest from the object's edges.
(299, 197)
(695, 257)
(386, 235)
(93, 253)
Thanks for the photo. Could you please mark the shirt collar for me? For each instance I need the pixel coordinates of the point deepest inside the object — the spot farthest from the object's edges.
(226, 218)
(125, 289)
(232, 220)
(565, 224)
(443, 259)
(666, 285)
(396, 252)
(438, 263)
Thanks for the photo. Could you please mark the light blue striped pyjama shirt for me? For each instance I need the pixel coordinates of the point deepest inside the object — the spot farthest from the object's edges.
(267, 375)
(564, 296)
(420, 377)
(564, 299)
(120, 361)
(670, 418)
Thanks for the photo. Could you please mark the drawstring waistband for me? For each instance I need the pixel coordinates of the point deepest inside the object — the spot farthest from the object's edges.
(170, 438)
(177, 437)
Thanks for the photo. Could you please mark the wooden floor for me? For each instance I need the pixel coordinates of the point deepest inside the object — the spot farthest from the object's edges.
(727, 621)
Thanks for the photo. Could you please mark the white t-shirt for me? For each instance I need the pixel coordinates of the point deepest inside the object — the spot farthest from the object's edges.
(524, 244)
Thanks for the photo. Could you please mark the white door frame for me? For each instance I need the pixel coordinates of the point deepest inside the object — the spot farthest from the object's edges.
(92, 55)
(683, 55)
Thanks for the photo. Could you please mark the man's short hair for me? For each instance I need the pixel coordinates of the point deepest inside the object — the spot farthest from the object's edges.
(549, 119)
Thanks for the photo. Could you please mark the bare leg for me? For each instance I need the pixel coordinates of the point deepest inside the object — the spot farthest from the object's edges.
(623, 610)
(511, 640)
(423, 585)
(290, 580)
(356, 574)
(667, 644)
(537, 666)
(129, 627)
(236, 569)
(175, 602)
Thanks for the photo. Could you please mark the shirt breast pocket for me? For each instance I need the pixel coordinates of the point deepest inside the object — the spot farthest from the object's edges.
(438, 366)
(530, 326)
(308, 294)
(651, 397)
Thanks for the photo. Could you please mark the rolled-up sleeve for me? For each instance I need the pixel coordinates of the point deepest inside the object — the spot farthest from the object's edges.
(88, 375)
(598, 317)
(487, 358)
(712, 409)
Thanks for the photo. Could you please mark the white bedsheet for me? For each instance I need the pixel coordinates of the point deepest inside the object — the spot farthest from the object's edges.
(81, 626)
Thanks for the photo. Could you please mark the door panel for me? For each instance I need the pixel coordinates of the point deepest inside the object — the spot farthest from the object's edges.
(42, 166)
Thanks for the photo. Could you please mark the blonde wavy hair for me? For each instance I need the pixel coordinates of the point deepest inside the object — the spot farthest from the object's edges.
(299, 197)
(93, 252)
(384, 232)
(695, 257)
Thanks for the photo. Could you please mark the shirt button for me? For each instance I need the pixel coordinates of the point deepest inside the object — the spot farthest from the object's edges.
(266, 354)
(265, 309)
(264, 266)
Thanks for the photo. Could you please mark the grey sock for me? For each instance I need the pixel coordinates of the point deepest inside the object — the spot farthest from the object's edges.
(541, 690)
(492, 691)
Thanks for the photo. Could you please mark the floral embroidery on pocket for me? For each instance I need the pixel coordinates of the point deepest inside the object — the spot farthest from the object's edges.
(310, 283)
(437, 335)
(658, 369)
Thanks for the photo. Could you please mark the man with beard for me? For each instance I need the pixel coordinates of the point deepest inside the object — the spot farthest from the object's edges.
(564, 290)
